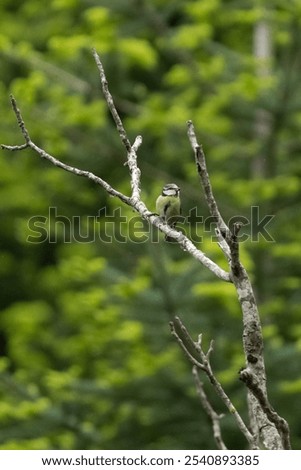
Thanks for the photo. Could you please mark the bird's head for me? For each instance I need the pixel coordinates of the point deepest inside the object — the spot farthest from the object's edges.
(171, 189)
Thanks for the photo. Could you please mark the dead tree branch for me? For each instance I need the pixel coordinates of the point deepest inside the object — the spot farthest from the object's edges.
(281, 424)
(211, 413)
(200, 161)
(200, 360)
(252, 334)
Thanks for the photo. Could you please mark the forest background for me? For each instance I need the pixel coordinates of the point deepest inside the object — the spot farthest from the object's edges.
(86, 356)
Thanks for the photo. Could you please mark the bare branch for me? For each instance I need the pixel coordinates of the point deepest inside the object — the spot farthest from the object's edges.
(252, 333)
(21, 124)
(56, 162)
(185, 341)
(213, 416)
(205, 180)
(135, 170)
(110, 103)
(188, 246)
(20, 119)
(199, 359)
(223, 244)
(230, 245)
(233, 242)
(281, 424)
(131, 149)
(13, 148)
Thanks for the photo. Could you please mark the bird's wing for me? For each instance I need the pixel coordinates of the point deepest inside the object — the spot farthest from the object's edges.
(167, 205)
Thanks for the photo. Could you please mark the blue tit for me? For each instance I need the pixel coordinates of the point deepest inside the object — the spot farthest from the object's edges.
(168, 204)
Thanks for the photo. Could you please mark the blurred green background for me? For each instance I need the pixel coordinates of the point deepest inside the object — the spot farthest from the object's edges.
(86, 356)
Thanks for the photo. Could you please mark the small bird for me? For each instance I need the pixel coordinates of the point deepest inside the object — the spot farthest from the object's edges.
(168, 205)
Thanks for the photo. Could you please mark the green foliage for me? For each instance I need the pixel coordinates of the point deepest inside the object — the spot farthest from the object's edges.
(87, 360)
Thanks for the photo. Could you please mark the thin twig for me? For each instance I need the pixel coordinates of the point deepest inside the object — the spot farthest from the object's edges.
(20, 121)
(227, 241)
(230, 246)
(205, 180)
(131, 149)
(213, 416)
(110, 103)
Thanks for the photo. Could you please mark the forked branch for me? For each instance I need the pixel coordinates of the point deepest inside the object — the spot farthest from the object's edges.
(201, 360)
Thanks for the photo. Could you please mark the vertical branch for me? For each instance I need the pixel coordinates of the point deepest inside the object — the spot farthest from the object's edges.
(205, 180)
(131, 149)
(252, 333)
(234, 249)
(135, 170)
(110, 102)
